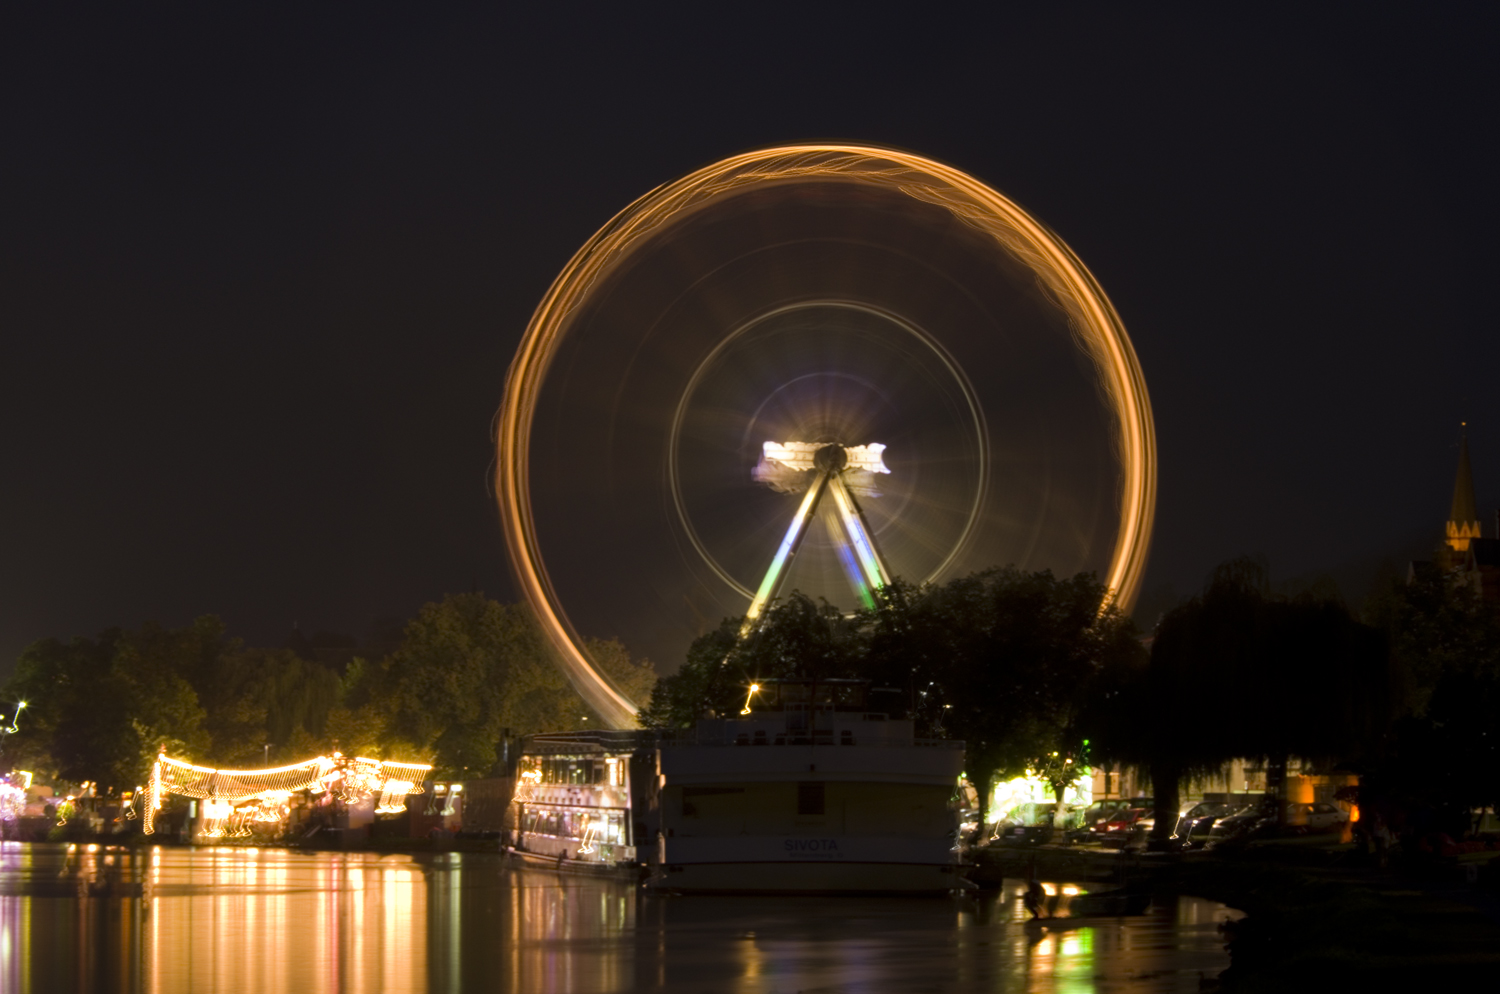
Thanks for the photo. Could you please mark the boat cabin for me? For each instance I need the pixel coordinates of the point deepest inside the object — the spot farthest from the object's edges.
(585, 796)
(808, 790)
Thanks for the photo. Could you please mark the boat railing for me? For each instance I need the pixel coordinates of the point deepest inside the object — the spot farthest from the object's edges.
(691, 737)
(939, 743)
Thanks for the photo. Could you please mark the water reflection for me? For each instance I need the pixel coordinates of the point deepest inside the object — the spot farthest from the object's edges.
(169, 921)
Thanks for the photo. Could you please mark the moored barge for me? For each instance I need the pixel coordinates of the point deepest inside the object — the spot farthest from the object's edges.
(808, 792)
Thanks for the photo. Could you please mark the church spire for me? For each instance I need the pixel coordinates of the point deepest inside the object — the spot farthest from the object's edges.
(1463, 519)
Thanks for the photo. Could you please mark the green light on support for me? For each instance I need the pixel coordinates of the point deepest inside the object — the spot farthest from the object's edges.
(854, 572)
(784, 554)
(854, 527)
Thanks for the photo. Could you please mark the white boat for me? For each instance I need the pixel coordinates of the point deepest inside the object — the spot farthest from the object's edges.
(809, 792)
(577, 800)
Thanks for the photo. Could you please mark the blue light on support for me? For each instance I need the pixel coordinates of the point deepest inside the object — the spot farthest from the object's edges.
(852, 568)
(859, 536)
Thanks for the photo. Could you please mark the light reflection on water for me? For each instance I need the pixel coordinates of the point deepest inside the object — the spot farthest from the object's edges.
(173, 921)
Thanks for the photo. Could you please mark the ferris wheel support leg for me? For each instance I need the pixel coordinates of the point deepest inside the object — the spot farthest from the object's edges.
(858, 531)
(844, 549)
(784, 554)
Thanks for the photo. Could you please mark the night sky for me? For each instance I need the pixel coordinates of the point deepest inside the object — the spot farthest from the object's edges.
(263, 273)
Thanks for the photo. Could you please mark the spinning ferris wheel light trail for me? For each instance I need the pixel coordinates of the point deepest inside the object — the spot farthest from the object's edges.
(822, 294)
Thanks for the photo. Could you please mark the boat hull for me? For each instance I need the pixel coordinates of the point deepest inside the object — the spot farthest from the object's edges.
(581, 867)
(809, 878)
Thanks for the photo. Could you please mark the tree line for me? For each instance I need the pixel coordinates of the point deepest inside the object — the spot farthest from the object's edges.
(465, 671)
(1022, 666)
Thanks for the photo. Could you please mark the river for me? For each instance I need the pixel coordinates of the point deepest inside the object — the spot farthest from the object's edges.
(170, 920)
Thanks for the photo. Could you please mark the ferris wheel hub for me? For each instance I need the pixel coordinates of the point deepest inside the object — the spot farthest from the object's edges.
(831, 458)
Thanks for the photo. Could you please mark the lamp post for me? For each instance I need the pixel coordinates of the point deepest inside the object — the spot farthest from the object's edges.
(14, 720)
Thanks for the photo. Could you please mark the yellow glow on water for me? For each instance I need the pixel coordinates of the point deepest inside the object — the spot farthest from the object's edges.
(359, 924)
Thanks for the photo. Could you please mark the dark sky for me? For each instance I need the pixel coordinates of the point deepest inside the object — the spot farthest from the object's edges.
(263, 272)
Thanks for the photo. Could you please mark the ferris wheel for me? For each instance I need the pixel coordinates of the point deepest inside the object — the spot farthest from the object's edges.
(813, 367)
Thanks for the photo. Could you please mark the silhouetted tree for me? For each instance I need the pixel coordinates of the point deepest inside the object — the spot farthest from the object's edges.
(1442, 753)
(798, 637)
(1008, 661)
(1014, 663)
(1239, 672)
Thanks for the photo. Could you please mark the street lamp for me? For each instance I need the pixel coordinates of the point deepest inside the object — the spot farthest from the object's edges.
(14, 719)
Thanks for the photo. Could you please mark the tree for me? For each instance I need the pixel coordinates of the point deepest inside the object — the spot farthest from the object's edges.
(798, 637)
(467, 669)
(56, 680)
(1010, 661)
(100, 709)
(635, 679)
(1441, 753)
(1007, 660)
(267, 697)
(1239, 672)
(443, 687)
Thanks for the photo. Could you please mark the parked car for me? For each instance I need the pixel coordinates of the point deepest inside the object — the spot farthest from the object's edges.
(1198, 820)
(1245, 819)
(1124, 819)
(1300, 817)
(1320, 816)
(1092, 819)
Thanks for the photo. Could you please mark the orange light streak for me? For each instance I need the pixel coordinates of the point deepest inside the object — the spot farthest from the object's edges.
(1062, 275)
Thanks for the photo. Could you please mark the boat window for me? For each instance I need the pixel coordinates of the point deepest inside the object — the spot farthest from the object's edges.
(793, 693)
(849, 695)
(809, 798)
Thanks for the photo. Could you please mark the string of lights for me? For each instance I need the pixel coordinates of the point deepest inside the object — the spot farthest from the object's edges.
(235, 800)
(13, 794)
